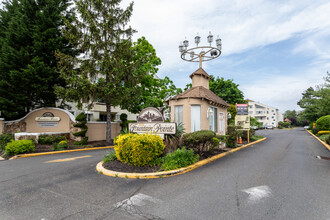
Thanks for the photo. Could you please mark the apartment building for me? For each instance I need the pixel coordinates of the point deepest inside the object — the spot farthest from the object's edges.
(265, 114)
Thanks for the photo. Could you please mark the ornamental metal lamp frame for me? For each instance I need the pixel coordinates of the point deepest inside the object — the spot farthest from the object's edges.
(200, 53)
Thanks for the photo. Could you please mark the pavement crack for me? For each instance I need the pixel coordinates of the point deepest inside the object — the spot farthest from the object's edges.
(237, 197)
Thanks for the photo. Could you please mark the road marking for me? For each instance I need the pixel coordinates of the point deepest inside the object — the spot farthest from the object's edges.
(136, 200)
(257, 193)
(66, 159)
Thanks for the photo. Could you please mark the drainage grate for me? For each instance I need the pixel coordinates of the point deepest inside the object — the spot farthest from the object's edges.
(323, 158)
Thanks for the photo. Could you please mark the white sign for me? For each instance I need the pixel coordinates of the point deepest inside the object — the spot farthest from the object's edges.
(47, 124)
(158, 128)
(47, 118)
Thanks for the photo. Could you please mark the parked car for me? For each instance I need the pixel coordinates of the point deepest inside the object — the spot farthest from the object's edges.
(269, 126)
(306, 127)
(254, 127)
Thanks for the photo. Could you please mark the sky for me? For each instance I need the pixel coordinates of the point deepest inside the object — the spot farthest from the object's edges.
(274, 50)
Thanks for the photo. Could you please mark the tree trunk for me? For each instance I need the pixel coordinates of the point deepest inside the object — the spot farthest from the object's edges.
(108, 132)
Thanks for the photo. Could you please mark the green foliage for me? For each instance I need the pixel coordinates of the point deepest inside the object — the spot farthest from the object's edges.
(19, 147)
(282, 124)
(227, 90)
(123, 123)
(315, 130)
(110, 156)
(232, 132)
(82, 120)
(323, 123)
(233, 112)
(172, 141)
(255, 122)
(62, 145)
(200, 141)
(30, 33)
(50, 139)
(116, 70)
(5, 139)
(316, 102)
(179, 158)
(327, 139)
(244, 134)
(256, 137)
(138, 149)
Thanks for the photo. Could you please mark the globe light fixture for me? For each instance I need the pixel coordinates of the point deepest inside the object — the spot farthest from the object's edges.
(200, 53)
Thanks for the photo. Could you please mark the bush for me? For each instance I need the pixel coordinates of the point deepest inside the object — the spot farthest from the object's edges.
(323, 132)
(315, 130)
(61, 145)
(200, 141)
(123, 123)
(19, 147)
(251, 133)
(49, 139)
(179, 158)
(323, 123)
(256, 137)
(5, 139)
(110, 156)
(232, 133)
(282, 124)
(82, 120)
(327, 139)
(172, 141)
(138, 149)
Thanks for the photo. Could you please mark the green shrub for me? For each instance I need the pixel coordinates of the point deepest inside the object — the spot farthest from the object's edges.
(232, 133)
(49, 139)
(200, 141)
(251, 133)
(82, 120)
(61, 145)
(123, 123)
(282, 124)
(323, 123)
(110, 156)
(179, 158)
(173, 141)
(315, 130)
(19, 147)
(327, 139)
(138, 149)
(5, 139)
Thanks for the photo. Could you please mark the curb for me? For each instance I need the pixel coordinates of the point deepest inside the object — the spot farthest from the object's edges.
(102, 170)
(57, 152)
(325, 144)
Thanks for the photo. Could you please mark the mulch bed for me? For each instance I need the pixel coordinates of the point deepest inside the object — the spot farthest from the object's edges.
(123, 167)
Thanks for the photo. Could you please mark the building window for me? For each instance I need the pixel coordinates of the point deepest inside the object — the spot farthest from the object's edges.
(195, 118)
(250, 106)
(272, 110)
(178, 114)
(251, 112)
(213, 113)
(272, 116)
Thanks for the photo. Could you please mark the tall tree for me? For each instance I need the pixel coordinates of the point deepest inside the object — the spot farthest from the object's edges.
(112, 66)
(316, 102)
(30, 32)
(227, 90)
(152, 92)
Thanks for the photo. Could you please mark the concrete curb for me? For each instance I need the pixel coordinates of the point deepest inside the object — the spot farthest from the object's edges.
(325, 144)
(102, 170)
(57, 152)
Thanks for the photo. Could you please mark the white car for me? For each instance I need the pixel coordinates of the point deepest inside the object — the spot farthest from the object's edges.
(269, 126)
(306, 127)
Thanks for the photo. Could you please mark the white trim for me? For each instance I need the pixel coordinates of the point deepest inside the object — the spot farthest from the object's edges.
(63, 110)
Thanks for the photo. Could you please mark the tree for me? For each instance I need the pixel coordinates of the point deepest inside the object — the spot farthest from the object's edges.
(112, 67)
(316, 102)
(30, 32)
(227, 90)
(152, 92)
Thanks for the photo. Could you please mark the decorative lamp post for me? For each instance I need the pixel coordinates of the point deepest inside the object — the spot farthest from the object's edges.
(200, 53)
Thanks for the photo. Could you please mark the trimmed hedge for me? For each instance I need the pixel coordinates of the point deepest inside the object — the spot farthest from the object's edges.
(323, 123)
(201, 141)
(82, 120)
(138, 149)
(19, 147)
